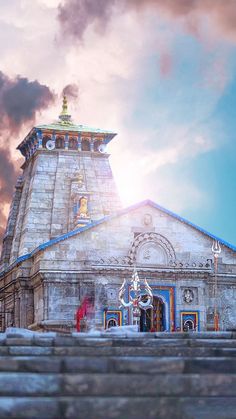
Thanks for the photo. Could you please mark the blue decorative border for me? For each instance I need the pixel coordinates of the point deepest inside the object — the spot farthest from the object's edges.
(190, 314)
(113, 313)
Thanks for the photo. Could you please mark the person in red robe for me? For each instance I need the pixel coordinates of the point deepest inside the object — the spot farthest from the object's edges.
(84, 311)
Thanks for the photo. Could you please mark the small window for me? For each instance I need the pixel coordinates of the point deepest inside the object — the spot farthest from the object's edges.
(73, 144)
(60, 142)
(96, 145)
(45, 139)
(85, 145)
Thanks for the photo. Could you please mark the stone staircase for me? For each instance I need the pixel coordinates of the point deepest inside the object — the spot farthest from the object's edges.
(125, 376)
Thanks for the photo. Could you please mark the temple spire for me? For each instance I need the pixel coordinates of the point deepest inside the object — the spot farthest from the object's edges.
(65, 118)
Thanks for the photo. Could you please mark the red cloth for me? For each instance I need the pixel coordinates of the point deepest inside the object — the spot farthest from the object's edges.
(85, 309)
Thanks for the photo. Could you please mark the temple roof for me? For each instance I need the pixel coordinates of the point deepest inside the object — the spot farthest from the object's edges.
(105, 219)
(57, 126)
(64, 124)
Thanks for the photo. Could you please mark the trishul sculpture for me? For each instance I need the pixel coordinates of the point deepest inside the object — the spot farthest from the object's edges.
(216, 250)
(135, 297)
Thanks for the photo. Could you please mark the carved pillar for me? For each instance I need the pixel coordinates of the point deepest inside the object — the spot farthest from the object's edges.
(17, 310)
(66, 142)
(53, 138)
(79, 142)
(39, 138)
(45, 300)
(26, 307)
(92, 144)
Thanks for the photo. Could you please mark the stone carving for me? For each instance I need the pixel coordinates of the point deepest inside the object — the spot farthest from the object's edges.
(149, 245)
(147, 220)
(112, 294)
(83, 208)
(210, 315)
(113, 261)
(77, 184)
(152, 254)
(80, 180)
(127, 261)
(188, 296)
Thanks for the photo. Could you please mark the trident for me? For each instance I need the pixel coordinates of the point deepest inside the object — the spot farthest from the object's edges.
(135, 298)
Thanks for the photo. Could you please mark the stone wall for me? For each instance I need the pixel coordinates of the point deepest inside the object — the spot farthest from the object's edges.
(44, 209)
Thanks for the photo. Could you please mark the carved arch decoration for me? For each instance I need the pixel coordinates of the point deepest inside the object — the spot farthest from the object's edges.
(154, 245)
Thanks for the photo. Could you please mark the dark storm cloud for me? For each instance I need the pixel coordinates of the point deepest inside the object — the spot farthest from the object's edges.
(71, 91)
(76, 15)
(20, 99)
(8, 175)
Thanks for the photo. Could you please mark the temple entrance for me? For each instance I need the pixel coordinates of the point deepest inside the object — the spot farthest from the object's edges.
(188, 325)
(111, 323)
(152, 320)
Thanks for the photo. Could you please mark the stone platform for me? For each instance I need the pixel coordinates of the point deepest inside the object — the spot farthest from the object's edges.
(110, 376)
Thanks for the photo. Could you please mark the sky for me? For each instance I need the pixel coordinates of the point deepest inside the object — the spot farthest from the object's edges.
(162, 74)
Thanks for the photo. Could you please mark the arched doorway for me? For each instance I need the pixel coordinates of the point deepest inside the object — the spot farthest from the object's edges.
(111, 323)
(188, 325)
(153, 319)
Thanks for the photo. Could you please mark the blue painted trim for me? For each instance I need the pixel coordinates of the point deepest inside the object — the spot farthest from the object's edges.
(191, 311)
(184, 220)
(124, 211)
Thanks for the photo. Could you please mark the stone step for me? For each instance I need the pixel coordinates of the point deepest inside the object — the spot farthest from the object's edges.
(18, 350)
(143, 385)
(138, 341)
(118, 407)
(21, 333)
(144, 351)
(118, 377)
(69, 341)
(122, 365)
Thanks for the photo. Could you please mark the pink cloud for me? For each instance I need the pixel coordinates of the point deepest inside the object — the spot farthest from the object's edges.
(76, 15)
(166, 64)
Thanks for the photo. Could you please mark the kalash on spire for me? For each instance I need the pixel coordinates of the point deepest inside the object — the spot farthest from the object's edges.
(65, 118)
(65, 134)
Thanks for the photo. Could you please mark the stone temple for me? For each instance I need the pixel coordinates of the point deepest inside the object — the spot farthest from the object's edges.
(68, 238)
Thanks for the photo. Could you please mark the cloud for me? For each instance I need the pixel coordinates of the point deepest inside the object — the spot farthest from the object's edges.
(116, 72)
(8, 176)
(76, 15)
(165, 64)
(71, 91)
(20, 100)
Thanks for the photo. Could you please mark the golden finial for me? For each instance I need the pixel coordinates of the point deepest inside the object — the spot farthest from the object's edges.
(64, 106)
(64, 117)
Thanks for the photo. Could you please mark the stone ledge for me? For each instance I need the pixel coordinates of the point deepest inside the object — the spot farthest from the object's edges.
(15, 332)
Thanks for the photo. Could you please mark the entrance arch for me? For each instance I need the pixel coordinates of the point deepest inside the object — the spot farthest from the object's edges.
(153, 319)
(188, 325)
(111, 323)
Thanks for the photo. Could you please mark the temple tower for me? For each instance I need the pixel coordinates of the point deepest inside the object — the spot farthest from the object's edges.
(66, 183)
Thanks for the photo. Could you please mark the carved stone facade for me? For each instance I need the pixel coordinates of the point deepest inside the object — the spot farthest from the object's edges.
(68, 239)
